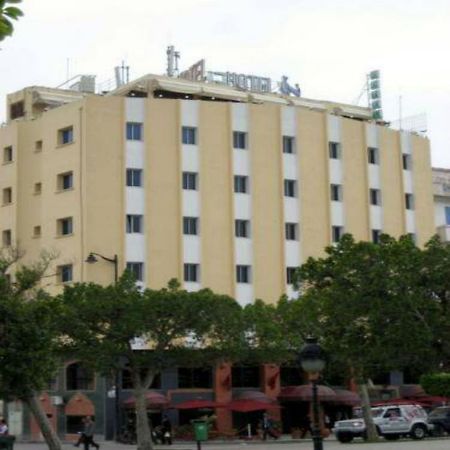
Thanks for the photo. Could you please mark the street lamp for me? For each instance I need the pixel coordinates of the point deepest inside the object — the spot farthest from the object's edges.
(312, 360)
(92, 259)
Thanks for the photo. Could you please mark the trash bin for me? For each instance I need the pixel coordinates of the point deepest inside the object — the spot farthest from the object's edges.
(7, 442)
(200, 430)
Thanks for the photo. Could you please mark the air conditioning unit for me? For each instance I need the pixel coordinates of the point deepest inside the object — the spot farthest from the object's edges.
(56, 400)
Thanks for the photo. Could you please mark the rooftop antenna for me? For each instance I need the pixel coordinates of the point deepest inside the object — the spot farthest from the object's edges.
(172, 61)
(122, 74)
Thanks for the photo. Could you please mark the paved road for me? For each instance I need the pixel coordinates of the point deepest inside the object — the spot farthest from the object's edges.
(329, 444)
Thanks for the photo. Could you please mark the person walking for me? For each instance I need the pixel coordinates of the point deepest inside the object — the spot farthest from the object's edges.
(166, 430)
(88, 433)
(267, 427)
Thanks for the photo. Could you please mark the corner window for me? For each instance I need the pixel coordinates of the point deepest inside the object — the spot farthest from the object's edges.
(291, 230)
(336, 192)
(37, 188)
(242, 228)
(37, 231)
(334, 149)
(190, 181)
(134, 177)
(7, 196)
(38, 146)
(288, 144)
(65, 181)
(65, 226)
(376, 235)
(6, 238)
(240, 184)
(336, 233)
(134, 131)
(373, 155)
(136, 269)
(243, 274)
(190, 226)
(239, 139)
(409, 201)
(7, 154)
(375, 197)
(65, 136)
(65, 273)
(290, 188)
(406, 161)
(191, 272)
(189, 135)
(447, 215)
(290, 274)
(134, 223)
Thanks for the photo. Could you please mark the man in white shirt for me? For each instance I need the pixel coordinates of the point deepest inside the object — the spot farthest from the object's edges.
(3, 427)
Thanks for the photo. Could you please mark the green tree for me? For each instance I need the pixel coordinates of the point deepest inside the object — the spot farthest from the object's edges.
(28, 340)
(369, 308)
(178, 327)
(436, 383)
(7, 15)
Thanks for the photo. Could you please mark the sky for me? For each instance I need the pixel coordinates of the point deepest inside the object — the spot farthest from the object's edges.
(327, 46)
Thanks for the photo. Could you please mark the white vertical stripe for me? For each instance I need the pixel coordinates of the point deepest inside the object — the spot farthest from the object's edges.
(408, 181)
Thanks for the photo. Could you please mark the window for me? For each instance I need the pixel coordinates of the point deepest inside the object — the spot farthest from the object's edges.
(290, 274)
(291, 230)
(65, 273)
(79, 378)
(6, 238)
(134, 131)
(134, 223)
(336, 233)
(191, 272)
(65, 136)
(409, 201)
(38, 146)
(242, 228)
(189, 378)
(65, 226)
(407, 161)
(65, 181)
(376, 234)
(335, 150)
(373, 155)
(134, 177)
(17, 110)
(288, 144)
(243, 274)
(290, 188)
(245, 376)
(8, 154)
(239, 139)
(375, 197)
(37, 231)
(7, 196)
(37, 188)
(336, 192)
(136, 269)
(240, 184)
(447, 215)
(190, 181)
(189, 135)
(127, 380)
(190, 225)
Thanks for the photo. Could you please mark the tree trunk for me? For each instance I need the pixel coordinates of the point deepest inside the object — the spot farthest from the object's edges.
(47, 430)
(371, 430)
(143, 433)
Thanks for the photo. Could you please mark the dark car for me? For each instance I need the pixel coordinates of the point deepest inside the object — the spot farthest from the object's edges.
(440, 418)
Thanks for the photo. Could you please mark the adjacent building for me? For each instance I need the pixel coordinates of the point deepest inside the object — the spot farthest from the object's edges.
(441, 186)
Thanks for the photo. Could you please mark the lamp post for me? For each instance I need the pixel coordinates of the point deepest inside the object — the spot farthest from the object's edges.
(312, 360)
(92, 259)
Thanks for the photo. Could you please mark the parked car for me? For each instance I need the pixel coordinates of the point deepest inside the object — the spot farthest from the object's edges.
(440, 419)
(391, 422)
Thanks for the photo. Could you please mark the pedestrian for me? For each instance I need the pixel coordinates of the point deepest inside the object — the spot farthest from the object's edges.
(81, 434)
(88, 433)
(3, 428)
(267, 427)
(166, 430)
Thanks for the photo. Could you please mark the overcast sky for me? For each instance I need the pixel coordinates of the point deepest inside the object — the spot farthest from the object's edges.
(327, 46)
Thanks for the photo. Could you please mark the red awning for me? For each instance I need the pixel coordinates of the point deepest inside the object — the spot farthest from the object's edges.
(303, 393)
(197, 404)
(153, 399)
(399, 401)
(249, 405)
(346, 397)
(253, 395)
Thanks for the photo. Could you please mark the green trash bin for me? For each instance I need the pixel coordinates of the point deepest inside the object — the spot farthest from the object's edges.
(200, 430)
(7, 442)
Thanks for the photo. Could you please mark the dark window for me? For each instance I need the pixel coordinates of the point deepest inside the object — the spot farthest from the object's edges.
(245, 376)
(65, 226)
(243, 274)
(291, 231)
(134, 131)
(200, 378)
(65, 181)
(335, 150)
(242, 228)
(17, 110)
(134, 223)
(190, 225)
(447, 215)
(375, 197)
(134, 177)
(7, 154)
(373, 155)
(290, 188)
(288, 144)
(407, 161)
(6, 238)
(38, 146)
(66, 273)
(136, 269)
(7, 196)
(290, 376)
(409, 201)
(38, 188)
(37, 231)
(79, 378)
(240, 184)
(189, 135)
(190, 181)
(191, 272)
(336, 192)
(74, 424)
(65, 136)
(376, 234)
(336, 233)
(127, 381)
(239, 139)
(290, 272)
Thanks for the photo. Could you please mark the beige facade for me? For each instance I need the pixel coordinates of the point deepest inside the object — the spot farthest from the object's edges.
(180, 217)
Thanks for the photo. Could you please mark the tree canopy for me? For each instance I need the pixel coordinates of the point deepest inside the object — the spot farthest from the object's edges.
(8, 13)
